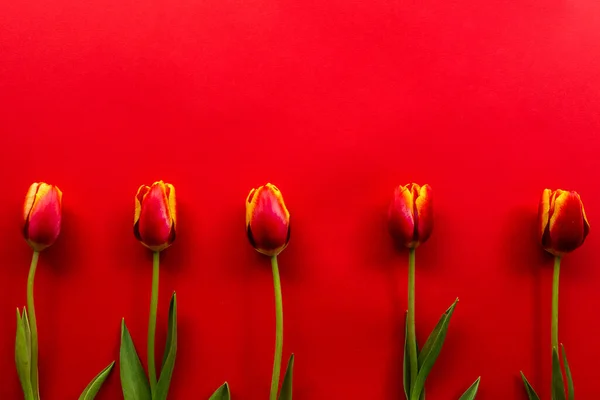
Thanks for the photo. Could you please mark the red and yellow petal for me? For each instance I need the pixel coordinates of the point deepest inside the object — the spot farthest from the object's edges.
(139, 198)
(424, 212)
(401, 217)
(172, 201)
(544, 213)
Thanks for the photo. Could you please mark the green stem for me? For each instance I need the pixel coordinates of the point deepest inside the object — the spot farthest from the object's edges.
(412, 339)
(278, 329)
(555, 281)
(33, 325)
(152, 322)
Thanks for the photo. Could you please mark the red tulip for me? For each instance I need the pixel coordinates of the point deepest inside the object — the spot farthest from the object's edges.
(155, 216)
(42, 214)
(410, 216)
(562, 221)
(267, 220)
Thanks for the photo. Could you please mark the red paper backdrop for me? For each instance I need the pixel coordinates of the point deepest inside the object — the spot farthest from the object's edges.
(336, 102)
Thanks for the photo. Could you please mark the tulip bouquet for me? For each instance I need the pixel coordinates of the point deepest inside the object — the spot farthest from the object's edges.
(41, 227)
(268, 230)
(563, 227)
(410, 219)
(155, 223)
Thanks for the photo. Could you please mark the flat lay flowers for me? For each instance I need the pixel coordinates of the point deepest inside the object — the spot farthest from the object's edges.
(562, 228)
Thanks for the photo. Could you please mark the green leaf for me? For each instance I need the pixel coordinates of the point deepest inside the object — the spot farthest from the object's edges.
(133, 378)
(222, 393)
(530, 392)
(91, 390)
(286, 387)
(471, 391)
(162, 387)
(406, 362)
(558, 385)
(570, 389)
(430, 352)
(23, 354)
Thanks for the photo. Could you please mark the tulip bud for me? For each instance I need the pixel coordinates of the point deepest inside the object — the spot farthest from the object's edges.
(155, 217)
(563, 225)
(410, 216)
(267, 220)
(42, 214)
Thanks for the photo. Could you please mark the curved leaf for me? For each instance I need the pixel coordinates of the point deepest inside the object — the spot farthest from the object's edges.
(286, 387)
(91, 390)
(222, 393)
(471, 391)
(133, 378)
(406, 363)
(162, 387)
(570, 388)
(23, 354)
(530, 392)
(430, 352)
(558, 385)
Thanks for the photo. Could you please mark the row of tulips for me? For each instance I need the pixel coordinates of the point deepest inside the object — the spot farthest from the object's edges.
(563, 227)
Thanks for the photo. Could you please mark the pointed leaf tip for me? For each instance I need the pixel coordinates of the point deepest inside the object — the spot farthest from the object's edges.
(89, 393)
(471, 392)
(286, 387)
(222, 393)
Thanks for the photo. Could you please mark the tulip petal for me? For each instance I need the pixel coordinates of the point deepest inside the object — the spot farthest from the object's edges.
(267, 220)
(172, 203)
(139, 198)
(401, 216)
(424, 212)
(567, 225)
(29, 200)
(544, 212)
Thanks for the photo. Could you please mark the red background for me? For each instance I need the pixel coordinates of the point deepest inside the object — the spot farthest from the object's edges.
(336, 102)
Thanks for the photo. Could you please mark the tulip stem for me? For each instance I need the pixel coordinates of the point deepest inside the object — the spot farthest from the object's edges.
(278, 329)
(555, 282)
(33, 325)
(152, 322)
(412, 339)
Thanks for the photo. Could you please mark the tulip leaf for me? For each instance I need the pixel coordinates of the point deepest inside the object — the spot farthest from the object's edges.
(558, 385)
(406, 363)
(133, 378)
(570, 388)
(23, 354)
(431, 350)
(471, 391)
(90, 391)
(162, 387)
(286, 387)
(530, 392)
(222, 393)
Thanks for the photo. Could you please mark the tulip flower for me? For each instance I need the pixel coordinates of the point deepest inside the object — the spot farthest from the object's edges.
(155, 217)
(562, 221)
(563, 227)
(154, 225)
(410, 215)
(42, 215)
(410, 223)
(268, 230)
(267, 220)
